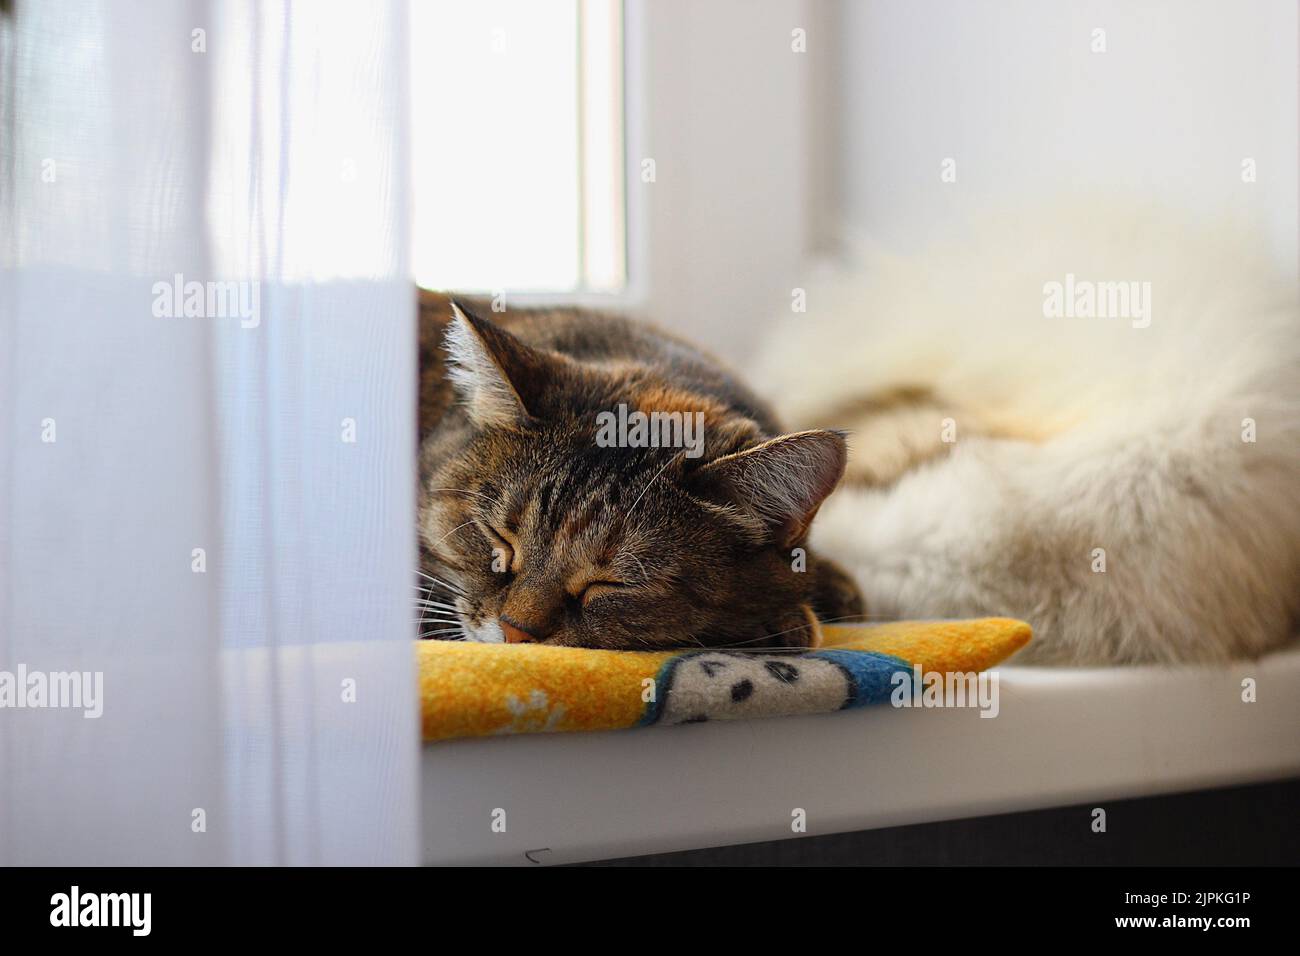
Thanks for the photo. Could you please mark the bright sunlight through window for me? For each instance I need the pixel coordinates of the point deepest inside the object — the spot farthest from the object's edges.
(518, 145)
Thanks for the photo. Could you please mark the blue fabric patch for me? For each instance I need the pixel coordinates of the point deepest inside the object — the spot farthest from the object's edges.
(663, 681)
(871, 672)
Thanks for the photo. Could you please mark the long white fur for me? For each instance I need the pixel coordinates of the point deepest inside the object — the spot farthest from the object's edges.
(1119, 438)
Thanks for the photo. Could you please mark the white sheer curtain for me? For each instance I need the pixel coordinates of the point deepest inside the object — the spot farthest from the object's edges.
(206, 499)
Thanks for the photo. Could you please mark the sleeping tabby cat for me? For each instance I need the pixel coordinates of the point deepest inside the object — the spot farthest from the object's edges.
(531, 530)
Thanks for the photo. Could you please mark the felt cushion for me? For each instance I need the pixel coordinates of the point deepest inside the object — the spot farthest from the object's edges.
(476, 690)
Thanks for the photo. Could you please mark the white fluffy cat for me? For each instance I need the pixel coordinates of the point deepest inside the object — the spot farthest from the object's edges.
(1004, 453)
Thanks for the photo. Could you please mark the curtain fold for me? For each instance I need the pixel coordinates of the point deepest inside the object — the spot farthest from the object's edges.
(206, 434)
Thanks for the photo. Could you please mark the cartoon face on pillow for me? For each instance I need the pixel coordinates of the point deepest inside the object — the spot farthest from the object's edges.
(731, 685)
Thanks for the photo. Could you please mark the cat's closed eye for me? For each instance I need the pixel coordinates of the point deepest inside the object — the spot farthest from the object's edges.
(505, 551)
(593, 590)
(578, 598)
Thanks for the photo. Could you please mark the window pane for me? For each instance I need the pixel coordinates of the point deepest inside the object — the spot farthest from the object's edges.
(513, 148)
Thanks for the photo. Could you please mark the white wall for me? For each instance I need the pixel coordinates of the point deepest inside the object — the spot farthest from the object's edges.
(726, 109)
(1013, 92)
(763, 153)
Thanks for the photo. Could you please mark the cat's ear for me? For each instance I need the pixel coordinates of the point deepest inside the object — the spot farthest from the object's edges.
(782, 482)
(500, 379)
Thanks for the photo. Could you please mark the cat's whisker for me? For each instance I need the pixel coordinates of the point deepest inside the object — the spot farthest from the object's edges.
(654, 479)
(748, 645)
(430, 592)
(451, 532)
(438, 583)
(456, 626)
(428, 597)
(739, 645)
(633, 557)
(437, 580)
(434, 595)
(769, 650)
(428, 634)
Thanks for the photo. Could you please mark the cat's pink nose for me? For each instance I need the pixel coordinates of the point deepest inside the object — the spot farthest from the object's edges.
(515, 635)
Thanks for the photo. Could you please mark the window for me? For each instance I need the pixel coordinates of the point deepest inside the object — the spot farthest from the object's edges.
(518, 146)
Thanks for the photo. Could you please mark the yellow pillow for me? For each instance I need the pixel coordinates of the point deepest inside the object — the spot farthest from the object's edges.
(477, 690)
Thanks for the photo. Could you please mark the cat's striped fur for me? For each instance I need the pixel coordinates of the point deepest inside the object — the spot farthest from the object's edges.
(531, 531)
